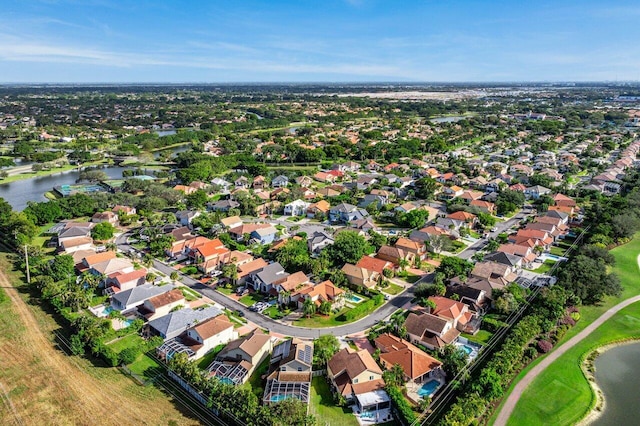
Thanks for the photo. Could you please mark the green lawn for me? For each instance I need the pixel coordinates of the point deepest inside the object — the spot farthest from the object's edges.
(333, 320)
(206, 360)
(130, 340)
(251, 298)
(561, 392)
(394, 289)
(225, 291)
(558, 251)
(189, 294)
(144, 366)
(481, 337)
(255, 381)
(545, 267)
(322, 406)
(273, 312)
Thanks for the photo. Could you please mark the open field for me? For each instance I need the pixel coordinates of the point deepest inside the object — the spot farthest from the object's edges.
(568, 406)
(42, 385)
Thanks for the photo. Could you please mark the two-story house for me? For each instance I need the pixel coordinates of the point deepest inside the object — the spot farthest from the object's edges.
(289, 374)
(360, 276)
(417, 365)
(431, 331)
(162, 304)
(196, 341)
(237, 361)
(353, 373)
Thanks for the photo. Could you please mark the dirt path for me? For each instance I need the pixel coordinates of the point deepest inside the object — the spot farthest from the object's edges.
(61, 392)
(513, 397)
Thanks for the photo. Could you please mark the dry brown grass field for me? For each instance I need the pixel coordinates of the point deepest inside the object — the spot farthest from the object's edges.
(41, 385)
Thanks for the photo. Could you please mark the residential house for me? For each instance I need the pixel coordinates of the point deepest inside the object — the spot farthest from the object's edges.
(186, 190)
(542, 238)
(374, 264)
(72, 245)
(469, 196)
(354, 373)
(526, 253)
(304, 181)
(266, 279)
(126, 281)
(112, 266)
(246, 270)
(431, 331)
(185, 217)
(395, 255)
(321, 208)
(324, 177)
(289, 374)
(418, 366)
(199, 339)
(109, 217)
(127, 210)
(73, 232)
(508, 259)
(177, 322)
(457, 312)
(126, 300)
(259, 183)
(281, 181)
(494, 272)
(418, 249)
(161, 304)
(484, 206)
(290, 285)
(469, 219)
(345, 213)
(242, 183)
(296, 208)
(237, 361)
(535, 192)
(231, 222)
(363, 226)
(449, 193)
(209, 256)
(360, 276)
(318, 241)
(325, 291)
(564, 201)
(223, 205)
(262, 233)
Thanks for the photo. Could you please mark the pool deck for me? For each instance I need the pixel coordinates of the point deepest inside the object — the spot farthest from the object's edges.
(413, 388)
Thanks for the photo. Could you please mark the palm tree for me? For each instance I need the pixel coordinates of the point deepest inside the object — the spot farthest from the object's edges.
(309, 308)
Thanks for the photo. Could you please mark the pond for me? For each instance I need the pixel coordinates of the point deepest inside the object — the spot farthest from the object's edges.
(18, 193)
(618, 376)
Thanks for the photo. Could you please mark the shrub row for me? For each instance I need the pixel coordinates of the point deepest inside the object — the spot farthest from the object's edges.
(401, 405)
(364, 307)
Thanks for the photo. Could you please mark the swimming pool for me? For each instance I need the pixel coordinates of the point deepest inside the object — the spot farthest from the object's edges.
(282, 397)
(467, 349)
(428, 388)
(355, 299)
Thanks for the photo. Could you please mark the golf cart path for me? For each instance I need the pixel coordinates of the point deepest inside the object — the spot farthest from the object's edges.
(512, 399)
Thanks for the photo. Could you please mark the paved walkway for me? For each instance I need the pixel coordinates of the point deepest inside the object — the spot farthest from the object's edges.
(521, 386)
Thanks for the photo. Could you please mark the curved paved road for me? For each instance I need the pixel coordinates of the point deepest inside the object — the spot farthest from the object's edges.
(400, 301)
(513, 397)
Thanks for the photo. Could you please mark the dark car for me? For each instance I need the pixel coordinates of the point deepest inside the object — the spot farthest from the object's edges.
(239, 313)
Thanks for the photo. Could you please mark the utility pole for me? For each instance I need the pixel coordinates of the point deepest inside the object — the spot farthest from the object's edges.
(26, 257)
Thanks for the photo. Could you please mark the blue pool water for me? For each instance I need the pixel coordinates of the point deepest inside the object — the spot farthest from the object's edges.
(467, 349)
(355, 299)
(428, 388)
(106, 311)
(552, 256)
(278, 398)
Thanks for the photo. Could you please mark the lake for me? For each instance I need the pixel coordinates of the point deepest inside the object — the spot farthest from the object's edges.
(20, 192)
(618, 375)
(451, 119)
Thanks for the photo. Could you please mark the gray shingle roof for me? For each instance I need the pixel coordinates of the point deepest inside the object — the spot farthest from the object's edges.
(178, 321)
(139, 294)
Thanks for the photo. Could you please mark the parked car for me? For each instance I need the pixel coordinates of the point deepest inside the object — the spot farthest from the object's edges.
(239, 313)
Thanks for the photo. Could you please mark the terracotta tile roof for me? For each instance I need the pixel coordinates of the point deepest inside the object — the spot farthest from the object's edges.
(414, 362)
(294, 280)
(254, 265)
(213, 326)
(408, 245)
(131, 276)
(75, 242)
(447, 308)
(167, 298)
(374, 264)
(462, 216)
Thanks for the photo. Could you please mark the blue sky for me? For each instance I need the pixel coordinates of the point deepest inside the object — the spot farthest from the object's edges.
(322, 40)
